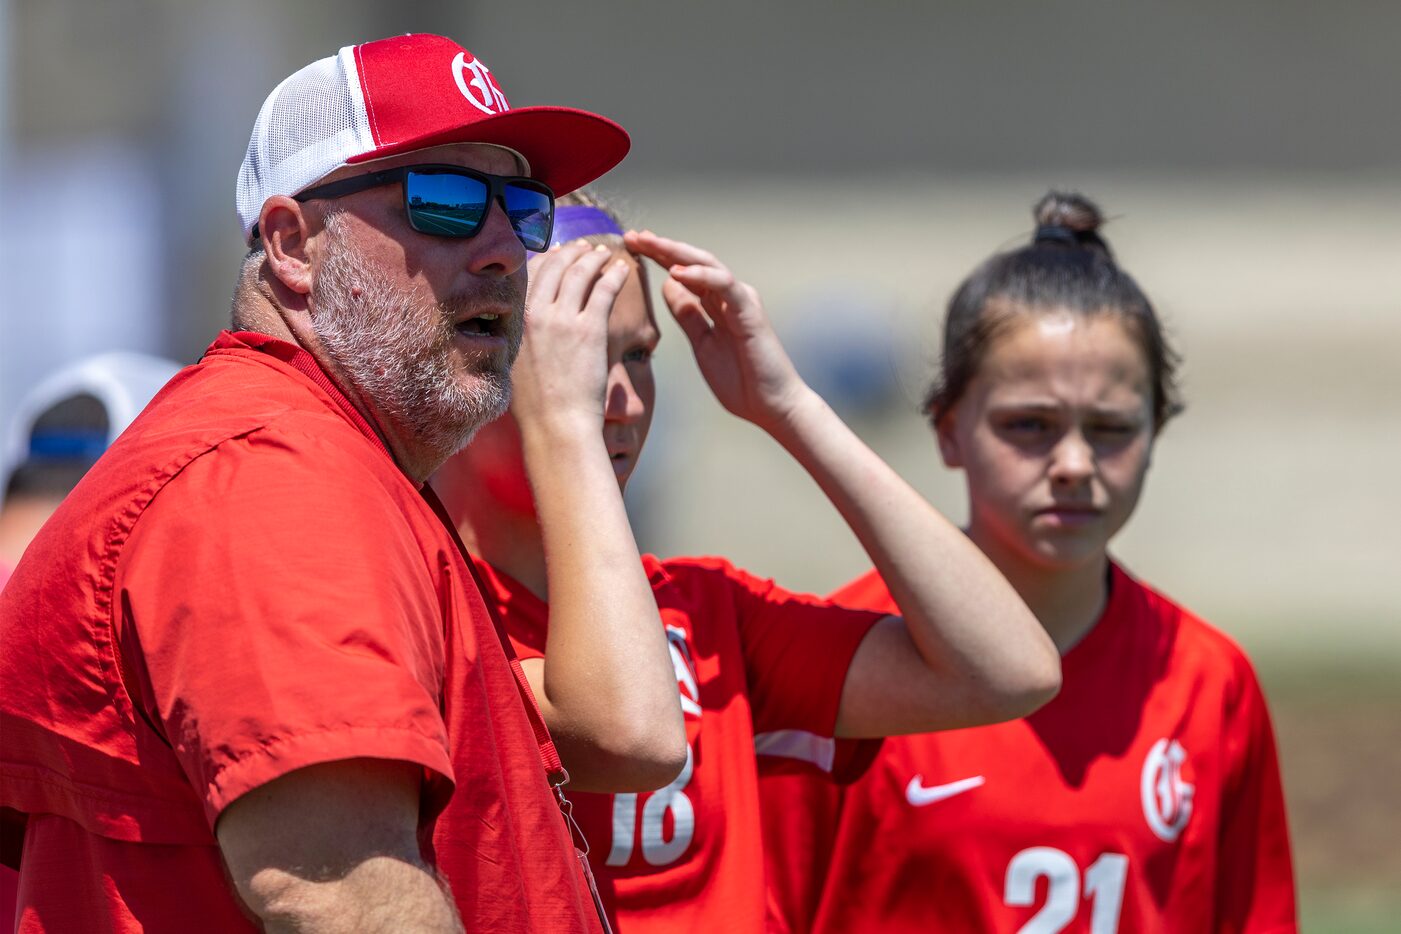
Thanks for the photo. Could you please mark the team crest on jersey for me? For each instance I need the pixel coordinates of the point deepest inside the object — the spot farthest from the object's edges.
(476, 83)
(687, 684)
(1167, 796)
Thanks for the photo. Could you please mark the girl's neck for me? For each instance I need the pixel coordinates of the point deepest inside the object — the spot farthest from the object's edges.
(1067, 601)
(505, 538)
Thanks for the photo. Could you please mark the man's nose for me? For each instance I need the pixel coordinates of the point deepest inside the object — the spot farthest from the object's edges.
(495, 250)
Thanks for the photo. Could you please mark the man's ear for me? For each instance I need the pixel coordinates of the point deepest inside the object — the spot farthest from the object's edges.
(946, 433)
(283, 228)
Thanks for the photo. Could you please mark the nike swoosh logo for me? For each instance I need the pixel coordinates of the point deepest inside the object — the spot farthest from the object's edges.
(919, 795)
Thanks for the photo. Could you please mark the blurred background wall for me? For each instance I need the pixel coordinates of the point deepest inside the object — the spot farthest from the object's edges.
(854, 161)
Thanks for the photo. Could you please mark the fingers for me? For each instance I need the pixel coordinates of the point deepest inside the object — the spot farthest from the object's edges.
(686, 308)
(697, 269)
(701, 291)
(562, 370)
(578, 280)
(726, 302)
(668, 252)
(704, 278)
(547, 269)
(606, 289)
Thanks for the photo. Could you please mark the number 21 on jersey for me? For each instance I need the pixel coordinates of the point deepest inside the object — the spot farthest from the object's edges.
(1104, 889)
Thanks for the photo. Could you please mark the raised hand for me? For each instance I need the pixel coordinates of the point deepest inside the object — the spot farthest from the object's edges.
(562, 369)
(735, 346)
(606, 687)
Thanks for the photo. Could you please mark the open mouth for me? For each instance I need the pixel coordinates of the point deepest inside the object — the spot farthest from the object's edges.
(486, 324)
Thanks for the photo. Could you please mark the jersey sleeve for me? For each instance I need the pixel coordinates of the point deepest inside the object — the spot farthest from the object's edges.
(867, 592)
(797, 651)
(1256, 883)
(278, 612)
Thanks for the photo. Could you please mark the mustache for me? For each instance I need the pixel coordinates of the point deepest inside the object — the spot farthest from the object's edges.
(509, 292)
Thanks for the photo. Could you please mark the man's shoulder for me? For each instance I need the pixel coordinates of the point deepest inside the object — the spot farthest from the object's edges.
(239, 433)
(242, 390)
(247, 403)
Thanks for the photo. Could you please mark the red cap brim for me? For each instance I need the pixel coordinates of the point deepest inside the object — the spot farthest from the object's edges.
(566, 148)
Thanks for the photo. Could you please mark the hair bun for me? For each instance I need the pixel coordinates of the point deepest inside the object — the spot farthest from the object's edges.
(1068, 218)
(1070, 210)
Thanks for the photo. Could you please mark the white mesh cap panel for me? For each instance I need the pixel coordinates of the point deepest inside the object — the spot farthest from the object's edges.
(309, 126)
(124, 382)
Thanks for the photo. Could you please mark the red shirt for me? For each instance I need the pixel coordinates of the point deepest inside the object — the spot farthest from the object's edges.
(755, 665)
(1145, 797)
(244, 585)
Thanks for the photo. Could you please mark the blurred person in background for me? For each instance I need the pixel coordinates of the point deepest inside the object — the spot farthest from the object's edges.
(60, 429)
(249, 681)
(797, 678)
(1146, 796)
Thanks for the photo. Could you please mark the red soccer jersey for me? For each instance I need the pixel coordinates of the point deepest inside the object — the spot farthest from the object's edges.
(246, 584)
(1145, 797)
(756, 667)
(9, 878)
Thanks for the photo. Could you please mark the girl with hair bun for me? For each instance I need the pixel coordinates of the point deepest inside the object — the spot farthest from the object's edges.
(1146, 795)
(673, 834)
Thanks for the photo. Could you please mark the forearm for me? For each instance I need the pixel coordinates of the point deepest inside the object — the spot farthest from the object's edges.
(334, 848)
(381, 894)
(966, 622)
(970, 647)
(609, 688)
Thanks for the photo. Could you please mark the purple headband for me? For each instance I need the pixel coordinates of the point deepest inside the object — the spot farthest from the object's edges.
(573, 221)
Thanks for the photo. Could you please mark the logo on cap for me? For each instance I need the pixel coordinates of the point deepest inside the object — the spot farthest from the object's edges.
(482, 89)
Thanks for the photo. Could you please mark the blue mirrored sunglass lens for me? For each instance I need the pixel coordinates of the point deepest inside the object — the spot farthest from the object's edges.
(531, 213)
(446, 205)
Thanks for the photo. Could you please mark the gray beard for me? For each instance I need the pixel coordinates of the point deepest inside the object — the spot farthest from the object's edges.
(398, 353)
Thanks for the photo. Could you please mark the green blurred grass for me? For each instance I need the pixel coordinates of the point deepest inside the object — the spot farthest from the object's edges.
(1343, 913)
(1337, 714)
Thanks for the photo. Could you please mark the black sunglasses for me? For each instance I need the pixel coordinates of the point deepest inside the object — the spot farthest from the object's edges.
(452, 201)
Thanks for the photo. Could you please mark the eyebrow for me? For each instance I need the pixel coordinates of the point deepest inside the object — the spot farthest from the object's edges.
(1037, 405)
(1041, 406)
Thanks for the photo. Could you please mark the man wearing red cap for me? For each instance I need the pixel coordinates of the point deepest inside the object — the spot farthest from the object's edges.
(250, 681)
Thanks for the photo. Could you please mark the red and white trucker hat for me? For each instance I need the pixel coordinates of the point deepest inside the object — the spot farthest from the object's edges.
(409, 92)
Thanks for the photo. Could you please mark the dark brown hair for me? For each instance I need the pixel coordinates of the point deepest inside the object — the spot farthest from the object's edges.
(1066, 266)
